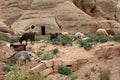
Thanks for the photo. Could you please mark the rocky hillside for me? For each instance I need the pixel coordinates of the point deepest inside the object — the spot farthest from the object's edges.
(56, 15)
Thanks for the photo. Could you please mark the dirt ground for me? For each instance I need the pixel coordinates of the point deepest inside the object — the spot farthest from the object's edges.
(74, 52)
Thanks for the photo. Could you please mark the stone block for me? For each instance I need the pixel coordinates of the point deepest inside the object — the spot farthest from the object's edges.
(38, 68)
(57, 62)
(47, 71)
(48, 63)
(69, 62)
(55, 69)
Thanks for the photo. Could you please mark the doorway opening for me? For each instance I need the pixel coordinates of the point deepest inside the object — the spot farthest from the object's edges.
(42, 30)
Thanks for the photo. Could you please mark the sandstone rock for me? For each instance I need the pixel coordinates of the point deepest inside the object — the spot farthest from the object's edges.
(57, 62)
(109, 24)
(108, 52)
(107, 10)
(38, 68)
(6, 30)
(47, 71)
(81, 62)
(48, 63)
(71, 63)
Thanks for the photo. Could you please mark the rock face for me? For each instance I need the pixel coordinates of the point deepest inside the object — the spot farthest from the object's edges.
(61, 15)
(108, 52)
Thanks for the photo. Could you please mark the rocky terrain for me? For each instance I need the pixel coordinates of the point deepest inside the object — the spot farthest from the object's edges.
(86, 16)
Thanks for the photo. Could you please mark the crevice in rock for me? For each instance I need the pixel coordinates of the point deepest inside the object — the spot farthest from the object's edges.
(58, 23)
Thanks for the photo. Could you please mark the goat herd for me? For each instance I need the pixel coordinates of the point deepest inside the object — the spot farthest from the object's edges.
(22, 55)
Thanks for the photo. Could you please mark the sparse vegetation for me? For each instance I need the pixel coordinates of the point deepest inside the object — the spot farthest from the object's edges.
(47, 56)
(64, 70)
(92, 40)
(37, 38)
(87, 75)
(38, 53)
(55, 51)
(93, 69)
(16, 74)
(104, 74)
(117, 37)
(6, 68)
(73, 77)
(66, 40)
(10, 40)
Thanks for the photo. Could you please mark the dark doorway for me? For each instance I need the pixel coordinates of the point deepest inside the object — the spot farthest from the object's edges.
(42, 30)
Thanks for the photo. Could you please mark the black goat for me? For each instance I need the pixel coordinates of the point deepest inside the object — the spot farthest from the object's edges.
(53, 36)
(18, 47)
(27, 36)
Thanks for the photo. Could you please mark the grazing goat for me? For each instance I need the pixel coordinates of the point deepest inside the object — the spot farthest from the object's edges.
(101, 32)
(21, 55)
(64, 33)
(53, 36)
(27, 36)
(79, 35)
(18, 47)
(111, 32)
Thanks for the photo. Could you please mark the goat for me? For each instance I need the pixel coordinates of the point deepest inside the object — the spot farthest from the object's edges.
(19, 47)
(110, 32)
(101, 32)
(27, 36)
(18, 56)
(53, 36)
(64, 33)
(79, 35)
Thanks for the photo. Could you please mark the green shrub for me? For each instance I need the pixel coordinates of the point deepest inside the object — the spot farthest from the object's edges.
(104, 74)
(47, 56)
(6, 68)
(87, 75)
(64, 70)
(85, 44)
(55, 51)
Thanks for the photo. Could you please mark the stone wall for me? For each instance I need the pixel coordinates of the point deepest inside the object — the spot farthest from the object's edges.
(51, 66)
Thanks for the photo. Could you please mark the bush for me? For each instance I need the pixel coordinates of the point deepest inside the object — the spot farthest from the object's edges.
(87, 75)
(104, 74)
(66, 40)
(85, 44)
(6, 68)
(64, 70)
(55, 51)
(92, 40)
(47, 56)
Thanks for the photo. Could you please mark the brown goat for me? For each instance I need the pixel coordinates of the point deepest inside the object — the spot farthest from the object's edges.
(27, 36)
(19, 47)
(111, 32)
